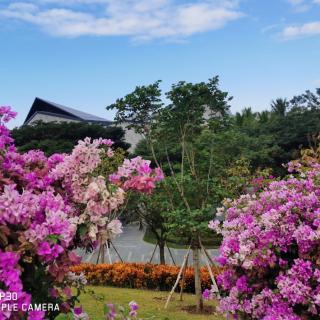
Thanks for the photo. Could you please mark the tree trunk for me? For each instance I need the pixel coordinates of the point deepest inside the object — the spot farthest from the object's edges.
(161, 251)
(197, 279)
(140, 225)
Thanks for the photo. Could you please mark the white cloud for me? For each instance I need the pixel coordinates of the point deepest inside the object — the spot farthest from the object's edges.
(316, 83)
(299, 31)
(296, 2)
(307, 29)
(138, 19)
(301, 5)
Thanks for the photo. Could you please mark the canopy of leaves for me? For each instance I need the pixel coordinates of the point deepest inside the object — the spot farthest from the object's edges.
(281, 133)
(60, 137)
(206, 152)
(267, 139)
(175, 139)
(139, 108)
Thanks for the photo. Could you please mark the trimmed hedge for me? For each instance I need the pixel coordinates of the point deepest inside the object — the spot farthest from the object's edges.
(142, 275)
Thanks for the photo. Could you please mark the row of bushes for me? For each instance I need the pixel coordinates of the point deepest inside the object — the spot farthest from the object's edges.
(142, 275)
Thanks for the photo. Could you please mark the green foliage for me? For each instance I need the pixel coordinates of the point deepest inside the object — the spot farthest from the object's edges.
(275, 137)
(212, 241)
(139, 108)
(55, 137)
(207, 153)
(279, 107)
(191, 106)
(307, 101)
(176, 139)
(149, 209)
(189, 224)
(110, 165)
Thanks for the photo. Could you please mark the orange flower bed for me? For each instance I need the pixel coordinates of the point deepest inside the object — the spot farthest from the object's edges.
(142, 275)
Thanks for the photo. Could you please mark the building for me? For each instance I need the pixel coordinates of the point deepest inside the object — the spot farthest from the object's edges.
(46, 111)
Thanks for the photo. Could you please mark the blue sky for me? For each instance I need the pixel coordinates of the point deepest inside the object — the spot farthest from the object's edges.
(87, 53)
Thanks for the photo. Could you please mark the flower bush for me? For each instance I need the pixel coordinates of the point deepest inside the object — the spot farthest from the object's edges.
(271, 250)
(111, 312)
(48, 208)
(141, 275)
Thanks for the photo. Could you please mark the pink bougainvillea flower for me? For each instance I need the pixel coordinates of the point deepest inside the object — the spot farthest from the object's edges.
(270, 250)
(52, 206)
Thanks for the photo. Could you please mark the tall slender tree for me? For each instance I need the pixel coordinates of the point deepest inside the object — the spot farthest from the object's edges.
(190, 187)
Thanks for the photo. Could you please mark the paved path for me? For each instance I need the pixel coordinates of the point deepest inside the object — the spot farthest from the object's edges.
(132, 248)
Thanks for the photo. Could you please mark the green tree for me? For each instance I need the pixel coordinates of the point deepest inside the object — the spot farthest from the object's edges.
(279, 107)
(60, 137)
(206, 152)
(307, 100)
(149, 210)
(173, 140)
(272, 138)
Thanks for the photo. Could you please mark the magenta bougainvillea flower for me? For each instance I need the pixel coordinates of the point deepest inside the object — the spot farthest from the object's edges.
(50, 206)
(271, 250)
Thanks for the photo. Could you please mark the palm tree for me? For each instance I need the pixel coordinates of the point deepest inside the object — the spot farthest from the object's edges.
(279, 106)
(245, 116)
(264, 116)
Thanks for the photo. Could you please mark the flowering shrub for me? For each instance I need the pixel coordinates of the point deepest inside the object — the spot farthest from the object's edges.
(48, 208)
(141, 275)
(136, 174)
(271, 250)
(111, 312)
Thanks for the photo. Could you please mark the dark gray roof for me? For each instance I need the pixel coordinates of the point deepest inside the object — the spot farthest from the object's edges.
(43, 106)
(77, 113)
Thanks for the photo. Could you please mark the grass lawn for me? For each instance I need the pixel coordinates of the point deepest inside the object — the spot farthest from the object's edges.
(151, 303)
